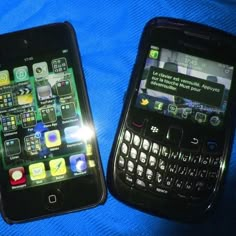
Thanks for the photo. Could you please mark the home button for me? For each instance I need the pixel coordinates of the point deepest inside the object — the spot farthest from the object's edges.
(53, 199)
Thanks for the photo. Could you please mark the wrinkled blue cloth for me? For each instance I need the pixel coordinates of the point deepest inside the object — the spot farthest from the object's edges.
(108, 33)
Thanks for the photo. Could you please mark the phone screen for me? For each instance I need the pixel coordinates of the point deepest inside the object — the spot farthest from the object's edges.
(43, 136)
(185, 87)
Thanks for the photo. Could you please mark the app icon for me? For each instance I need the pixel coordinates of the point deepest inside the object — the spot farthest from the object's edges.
(12, 147)
(153, 53)
(40, 70)
(68, 110)
(52, 138)
(200, 117)
(215, 120)
(32, 144)
(9, 123)
(48, 115)
(78, 163)
(187, 112)
(6, 100)
(144, 101)
(72, 134)
(21, 73)
(172, 109)
(4, 78)
(59, 65)
(44, 92)
(158, 106)
(37, 171)
(28, 119)
(17, 176)
(63, 88)
(24, 95)
(57, 167)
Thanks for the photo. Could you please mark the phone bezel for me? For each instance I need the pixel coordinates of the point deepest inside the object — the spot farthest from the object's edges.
(75, 194)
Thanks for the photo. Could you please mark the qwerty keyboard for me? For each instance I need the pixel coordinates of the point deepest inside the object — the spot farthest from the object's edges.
(161, 169)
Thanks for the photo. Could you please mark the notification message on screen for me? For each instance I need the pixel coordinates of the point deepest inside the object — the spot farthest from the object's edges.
(185, 86)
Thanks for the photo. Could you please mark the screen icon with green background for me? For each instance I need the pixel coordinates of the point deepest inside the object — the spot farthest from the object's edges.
(21, 73)
(153, 53)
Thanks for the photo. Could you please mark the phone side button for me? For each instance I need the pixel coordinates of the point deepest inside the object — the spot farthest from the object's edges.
(53, 199)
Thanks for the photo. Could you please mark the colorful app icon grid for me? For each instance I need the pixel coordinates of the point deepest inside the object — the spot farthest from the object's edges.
(9, 123)
(68, 110)
(6, 100)
(12, 147)
(59, 65)
(48, 115)
(32, 144)
(28, 119)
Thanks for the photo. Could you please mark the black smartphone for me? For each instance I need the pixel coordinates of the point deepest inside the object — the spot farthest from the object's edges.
(175, 133)
(50, 161)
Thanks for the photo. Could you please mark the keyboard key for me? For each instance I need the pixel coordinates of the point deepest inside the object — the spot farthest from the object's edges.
(174, 155)
(130, 166)
(159, 178)
(196, 159)
(155, 148)
(133, 153)
(165, 152)
(192, 172)
(169, 180)
(188, 186)
(202, 173)
(127, 136)
(136, 140)
(121, 162)
(200, 187)
(140, 171)
(146, 144)
(182, 170)
(140, 183)
(172, 168)
(143, 157)
(178, 184)
(152, 161)
(206, 160)
(213, 174)
(185, 157)
(162, 165)
(124, 149)
(149, 174)
(129, 179)
(216, 161)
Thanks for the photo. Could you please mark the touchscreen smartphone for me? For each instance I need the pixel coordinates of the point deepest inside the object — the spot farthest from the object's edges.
(175, 134)
(50, 161)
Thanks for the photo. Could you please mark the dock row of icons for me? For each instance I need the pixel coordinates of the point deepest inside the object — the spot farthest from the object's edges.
(173, 110)
(37, 171)
(33, 142)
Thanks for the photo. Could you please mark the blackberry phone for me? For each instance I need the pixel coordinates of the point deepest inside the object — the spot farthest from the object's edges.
(175, 133)
(50, 160)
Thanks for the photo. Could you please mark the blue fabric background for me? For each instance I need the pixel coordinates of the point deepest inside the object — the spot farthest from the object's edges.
(108, 33)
